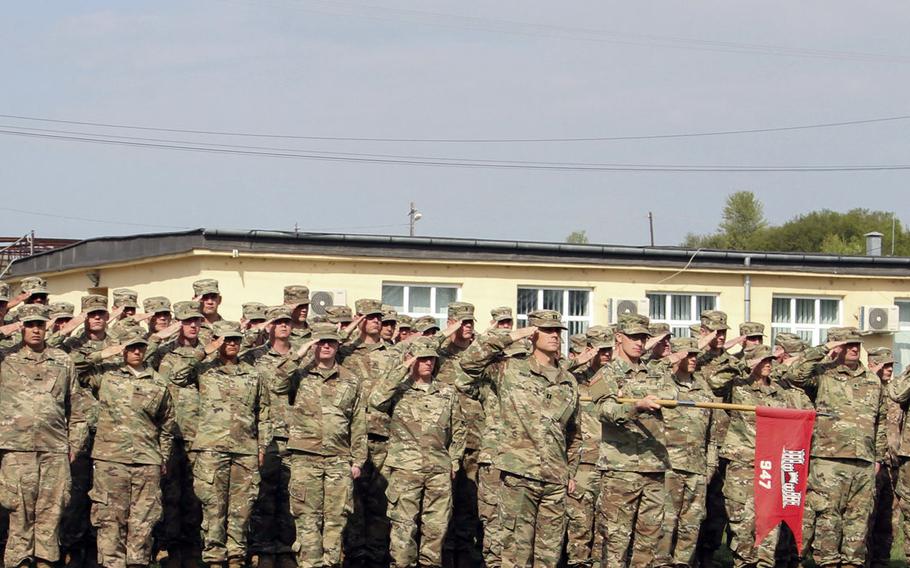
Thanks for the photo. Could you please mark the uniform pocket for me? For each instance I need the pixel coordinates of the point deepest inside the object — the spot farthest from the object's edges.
(9, 489)
(100, 500)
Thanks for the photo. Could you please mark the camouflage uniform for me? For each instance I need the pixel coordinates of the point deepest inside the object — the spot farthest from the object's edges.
(426, 444)
(6, 341)
(370, 522)
(36, 436)
(686, 431)
(295, 296)
(181, 520)
(881, 526)
(134, 438)
(326, 437)
(737, 385)
(584, 537)
(899, 392)
(233, 427)
(76, 536)
(253, 312)
(538, 408)
(123, 298)
(201, 288)
(709, 362)
(848, 440)
(271, 524)
(633, 456)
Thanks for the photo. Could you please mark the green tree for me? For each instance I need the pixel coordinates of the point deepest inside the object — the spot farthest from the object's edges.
(743, 220)
(578, 237)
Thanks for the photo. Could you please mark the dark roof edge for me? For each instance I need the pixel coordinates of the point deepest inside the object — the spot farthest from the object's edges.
(116, 249)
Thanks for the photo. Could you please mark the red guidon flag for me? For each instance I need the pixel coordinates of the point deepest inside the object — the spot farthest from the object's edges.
(783, 438)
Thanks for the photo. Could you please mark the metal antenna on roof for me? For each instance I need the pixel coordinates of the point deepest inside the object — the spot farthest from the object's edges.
(413, 216)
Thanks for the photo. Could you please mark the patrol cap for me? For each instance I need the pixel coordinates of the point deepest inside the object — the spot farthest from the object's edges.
(325, 332)
(578, 342)
(225, 328)
(296, 295)
(715, 320)
(405, 321)
(187, 310)
(134, 337)
(317, 319)
(600, 337)
(695, 329)
(501, 313)
(634, 324)
(546, 319)
(389, 313)
(659, 330)
(33, 285)
(205, 286)
(752, 329)
(253, 311)
(755, 354)
(276, 313)
(156, 305)
(367, 306)
(790, 342)
(339, 314)
(684, 344)
(34, 312)
(880, 356)
(4, 292)
(425, 323)
(125, 298)
(520, 347)
(61, 310)
(842, 336)
(94, 303)
(461, 311)
(423, 347)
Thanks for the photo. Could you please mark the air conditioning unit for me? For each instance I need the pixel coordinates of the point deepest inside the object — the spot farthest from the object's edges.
(620, 306)
(322, 299)
(879, 319)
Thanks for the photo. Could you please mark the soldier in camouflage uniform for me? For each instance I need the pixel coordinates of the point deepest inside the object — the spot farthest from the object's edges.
(389, 324)
(712, 338)
(180, 359)
(733, 384)
(42, 432)
(658, 347)
(134, 439)
(788, 348)
(85, 349)
(584, 539)
(61, 313)
(125, 305)
(633, 456)
(32, 290)
(881, 527)
(327, 445)
(339, 315)
(233, 432)
(207, 293)
(848, 443)
(405, 327)
(463, 538)
(158, 308)
(750, 333)
(252, 324)
(8, 326)
(272, 529)
(686, 431)
(367, 357)
(539, 437)
(426, 443)
(899, 392)
(297, 298)
(501, 318)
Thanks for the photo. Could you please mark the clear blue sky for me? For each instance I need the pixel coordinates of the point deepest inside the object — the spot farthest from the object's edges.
(507, 69)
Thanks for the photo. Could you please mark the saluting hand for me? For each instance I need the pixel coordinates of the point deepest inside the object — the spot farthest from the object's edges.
(214, 345)
(522, 332)
(705, 340)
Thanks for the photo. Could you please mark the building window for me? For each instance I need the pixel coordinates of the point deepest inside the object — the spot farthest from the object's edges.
(574, 305)
(421, 299)
(901, 348)
(679, 311)
(807, 317)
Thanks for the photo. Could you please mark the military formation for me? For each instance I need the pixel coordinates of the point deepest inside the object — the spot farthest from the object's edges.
(160, 432)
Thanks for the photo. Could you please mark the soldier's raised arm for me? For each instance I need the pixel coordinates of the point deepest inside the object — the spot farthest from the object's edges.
(805, 372)
(167, 425)
(899, 387)
(483, 360)
(359, 448)
(263, 415)
(76, 421)
(459, 436)
(391, 386)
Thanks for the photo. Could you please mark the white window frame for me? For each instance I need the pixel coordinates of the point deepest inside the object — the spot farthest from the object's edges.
(668, 299)
(521, 320)
(817, 328)
(441, 313)
(902, 325)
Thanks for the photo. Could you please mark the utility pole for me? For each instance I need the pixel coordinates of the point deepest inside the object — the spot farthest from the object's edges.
(413, 216)
(893, 223)
(651, 226)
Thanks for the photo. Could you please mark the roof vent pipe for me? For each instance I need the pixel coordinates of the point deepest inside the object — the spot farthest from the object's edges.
(873, 243)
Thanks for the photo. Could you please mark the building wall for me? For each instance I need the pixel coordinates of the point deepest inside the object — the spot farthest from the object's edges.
(248, 277)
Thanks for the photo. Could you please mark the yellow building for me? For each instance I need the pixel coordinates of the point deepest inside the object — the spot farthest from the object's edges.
(804, 293)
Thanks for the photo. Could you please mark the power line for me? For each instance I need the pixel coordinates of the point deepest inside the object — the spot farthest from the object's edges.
(730, 132)
(458, 162)
(514, 27)
(88, 220)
